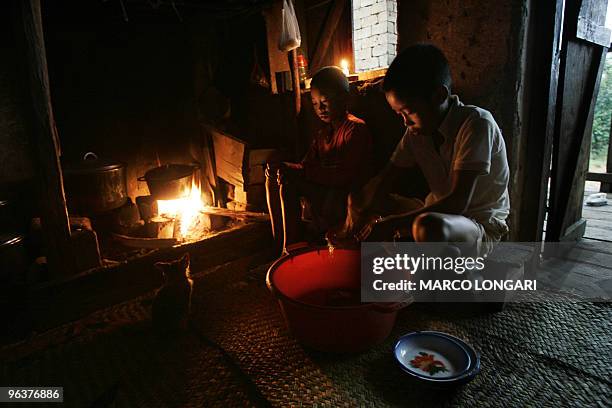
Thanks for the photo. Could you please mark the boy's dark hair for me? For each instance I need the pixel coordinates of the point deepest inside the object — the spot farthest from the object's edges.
(417, 72)
(330, 80)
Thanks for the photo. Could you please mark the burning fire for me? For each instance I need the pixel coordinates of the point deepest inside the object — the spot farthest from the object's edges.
(185, 210)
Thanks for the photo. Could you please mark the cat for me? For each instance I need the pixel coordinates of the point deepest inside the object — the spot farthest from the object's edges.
(172, 302)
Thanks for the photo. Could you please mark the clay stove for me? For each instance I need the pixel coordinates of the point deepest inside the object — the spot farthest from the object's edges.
(171, 222)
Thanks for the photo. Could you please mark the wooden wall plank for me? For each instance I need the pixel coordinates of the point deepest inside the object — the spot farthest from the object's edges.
(603, 177)
(590, 31)
(230, 156)
(341, 42)
(329, 28)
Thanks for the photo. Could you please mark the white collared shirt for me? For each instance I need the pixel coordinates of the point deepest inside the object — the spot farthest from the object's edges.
(472, 141)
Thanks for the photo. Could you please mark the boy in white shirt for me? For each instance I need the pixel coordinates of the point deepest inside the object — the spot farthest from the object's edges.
(459, 149)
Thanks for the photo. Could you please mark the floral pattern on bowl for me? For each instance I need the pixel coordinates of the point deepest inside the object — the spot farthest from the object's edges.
(428, 363)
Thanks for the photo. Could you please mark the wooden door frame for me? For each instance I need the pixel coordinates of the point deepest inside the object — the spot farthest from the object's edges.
(578, 27)
(545, 29)
(548, 36)
(605, 178)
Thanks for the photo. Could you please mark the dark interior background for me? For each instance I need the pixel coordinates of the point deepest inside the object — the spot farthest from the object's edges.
(133, 90)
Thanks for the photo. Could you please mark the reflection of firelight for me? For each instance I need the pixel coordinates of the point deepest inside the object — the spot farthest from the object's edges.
(185, 210)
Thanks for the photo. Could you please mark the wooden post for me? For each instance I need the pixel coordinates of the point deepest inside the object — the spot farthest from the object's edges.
(583, 54)
(296, 82)
(54, 215)
(536, 162)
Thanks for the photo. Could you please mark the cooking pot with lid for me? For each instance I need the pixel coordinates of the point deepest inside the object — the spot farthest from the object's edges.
(94, 185)
(170, 181)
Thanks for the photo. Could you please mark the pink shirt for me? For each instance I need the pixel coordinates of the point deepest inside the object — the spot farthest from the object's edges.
(341, 159)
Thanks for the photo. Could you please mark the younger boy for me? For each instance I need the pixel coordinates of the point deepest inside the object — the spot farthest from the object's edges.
(336, 164)
(460, 150)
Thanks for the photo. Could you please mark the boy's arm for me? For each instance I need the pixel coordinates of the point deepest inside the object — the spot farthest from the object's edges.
(456, 202)
(295, 168)
(472, 159)
(360, 204)
(377, 187)
(381, 185)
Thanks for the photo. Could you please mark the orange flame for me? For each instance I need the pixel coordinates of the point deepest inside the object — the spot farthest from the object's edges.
(185, 210)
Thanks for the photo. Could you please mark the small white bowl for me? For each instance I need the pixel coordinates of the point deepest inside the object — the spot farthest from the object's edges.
(436, 358)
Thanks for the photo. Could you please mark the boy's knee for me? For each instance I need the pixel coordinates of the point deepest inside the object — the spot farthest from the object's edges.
(430, 227)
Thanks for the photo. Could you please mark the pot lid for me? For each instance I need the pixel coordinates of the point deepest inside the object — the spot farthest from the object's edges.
(169, 172)
(8, 239)
(92, 164)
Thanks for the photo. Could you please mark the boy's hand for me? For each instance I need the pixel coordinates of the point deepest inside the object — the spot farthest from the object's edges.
(382, 229)
(292, 166)
(377, 230)
(339, 237)
(284, 170)
(352, 214)
(289, 172)
(273, 168)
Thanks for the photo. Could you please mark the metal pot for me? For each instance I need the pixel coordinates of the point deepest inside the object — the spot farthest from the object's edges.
(170, 181)
(94, 185)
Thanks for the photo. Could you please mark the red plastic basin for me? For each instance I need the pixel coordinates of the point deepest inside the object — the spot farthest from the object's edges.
(319, 295)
